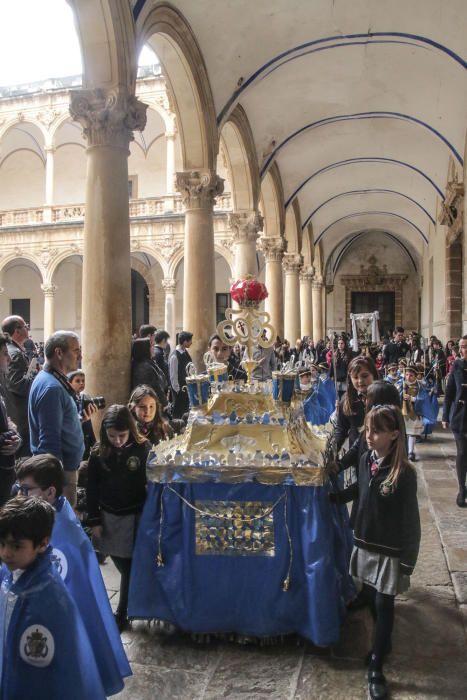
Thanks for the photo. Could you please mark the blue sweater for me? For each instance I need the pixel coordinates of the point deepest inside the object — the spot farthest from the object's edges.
(54, 422)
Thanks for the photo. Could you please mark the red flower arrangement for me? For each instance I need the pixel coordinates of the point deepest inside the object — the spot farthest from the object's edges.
(248, 292)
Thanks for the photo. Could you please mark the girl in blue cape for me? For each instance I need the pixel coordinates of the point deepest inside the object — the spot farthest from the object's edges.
(76, 562)
(45, 653)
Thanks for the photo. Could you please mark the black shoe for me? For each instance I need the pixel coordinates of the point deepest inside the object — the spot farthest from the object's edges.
(123, 623)
(412, 457)
(377, 687)
(460, 498)
(357, 603)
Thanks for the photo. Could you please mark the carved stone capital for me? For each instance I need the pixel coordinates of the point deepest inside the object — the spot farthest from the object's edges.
(245, 226)
(292, 263)
(272, 248)
(170, 285)
(317, 282)
(306, 275)
(199, 188)
(452, 210)
(108, 117)
(49, 289)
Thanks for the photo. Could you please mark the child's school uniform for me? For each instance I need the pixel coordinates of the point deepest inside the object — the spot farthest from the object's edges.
(77, 565)
(386, 526)
(45, 651)
(116, 492)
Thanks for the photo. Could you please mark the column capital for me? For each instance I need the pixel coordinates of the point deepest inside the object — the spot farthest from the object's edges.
(49, 289)
(170, 285)
(272, 248)
(245, 225)
(108, 117)
(199, 188)
(307, 274)
(292, 263)
(317, 282)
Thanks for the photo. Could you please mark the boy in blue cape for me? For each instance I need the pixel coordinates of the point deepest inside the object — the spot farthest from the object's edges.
(45, 652)
(76, 562)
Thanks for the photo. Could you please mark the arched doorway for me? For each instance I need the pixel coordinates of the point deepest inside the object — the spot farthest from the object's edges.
(139, 301)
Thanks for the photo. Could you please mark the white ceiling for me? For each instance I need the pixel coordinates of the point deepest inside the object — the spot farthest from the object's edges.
(347, 96)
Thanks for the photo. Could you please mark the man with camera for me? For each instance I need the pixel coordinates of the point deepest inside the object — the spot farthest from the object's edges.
(19, 377)
(54, 421)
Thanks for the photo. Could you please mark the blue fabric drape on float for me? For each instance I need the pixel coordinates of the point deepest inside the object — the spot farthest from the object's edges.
(244, 594)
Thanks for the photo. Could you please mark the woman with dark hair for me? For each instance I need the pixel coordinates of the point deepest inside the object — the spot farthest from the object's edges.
(144, 370)
(351, 409)
(340, 357)
(222, 352)
(116, 492)
(451, 352)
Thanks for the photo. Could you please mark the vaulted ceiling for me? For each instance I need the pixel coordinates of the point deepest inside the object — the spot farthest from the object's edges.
(361, 104)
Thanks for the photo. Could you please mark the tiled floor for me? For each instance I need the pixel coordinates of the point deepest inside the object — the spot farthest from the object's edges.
(430, 653)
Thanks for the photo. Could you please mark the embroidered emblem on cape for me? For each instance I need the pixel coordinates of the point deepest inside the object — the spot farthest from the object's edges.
(37, 646)
(133, 464)
(60, 561)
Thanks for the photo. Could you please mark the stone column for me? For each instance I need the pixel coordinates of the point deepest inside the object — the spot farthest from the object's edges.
(199, 189)
(273, 249)
(49, 309)
(292, 264)
(317, 297)
(245, 227)
(170, 167)
(108, 118)
(170, 287)
(49, 182)
(306, 306)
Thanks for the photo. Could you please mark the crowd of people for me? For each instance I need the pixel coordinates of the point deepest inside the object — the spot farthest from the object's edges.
(382, 400)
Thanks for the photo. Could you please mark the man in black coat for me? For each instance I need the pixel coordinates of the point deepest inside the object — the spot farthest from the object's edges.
(396, 349)
(179, 359)
(10, 441)
(161, 340)
(19, 377)
(455, 416)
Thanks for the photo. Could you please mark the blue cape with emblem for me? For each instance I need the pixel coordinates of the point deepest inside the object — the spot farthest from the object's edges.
(45, 651)
(77, 564)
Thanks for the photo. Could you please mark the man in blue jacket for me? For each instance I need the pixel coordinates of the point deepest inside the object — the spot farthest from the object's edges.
(54, 421)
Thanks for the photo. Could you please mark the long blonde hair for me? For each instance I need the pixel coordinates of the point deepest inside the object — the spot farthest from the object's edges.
(386, 419)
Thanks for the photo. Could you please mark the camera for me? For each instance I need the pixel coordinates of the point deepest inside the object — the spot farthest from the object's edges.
(98, 401)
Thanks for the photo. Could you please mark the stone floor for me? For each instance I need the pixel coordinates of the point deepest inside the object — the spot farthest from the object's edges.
(430, 652)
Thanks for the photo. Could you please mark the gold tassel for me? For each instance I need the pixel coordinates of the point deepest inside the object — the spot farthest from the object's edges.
(159, 560)
(286, 584)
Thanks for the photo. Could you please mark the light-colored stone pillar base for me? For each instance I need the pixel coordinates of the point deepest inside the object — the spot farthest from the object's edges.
(317, 296)
(170, 287)
(292, 264)
(108, 118)
(273, 249)
(306, 305)
(49, 309)
(199, 189)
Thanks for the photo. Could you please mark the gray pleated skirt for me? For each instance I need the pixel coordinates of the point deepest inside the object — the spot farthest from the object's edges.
(118, 535)
(379, 571)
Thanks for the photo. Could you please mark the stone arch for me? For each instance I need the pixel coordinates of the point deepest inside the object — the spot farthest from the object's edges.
(239, 145)
(20, 119)
(59, 259)
(107, 40)
(18, 255)
(136, 247)
(293, 229)
(167, 32)
(226, 255)
(272, 204)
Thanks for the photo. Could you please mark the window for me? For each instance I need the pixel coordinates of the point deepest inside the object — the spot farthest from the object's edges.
(133, 187)
(21, 307)
(223, 302)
